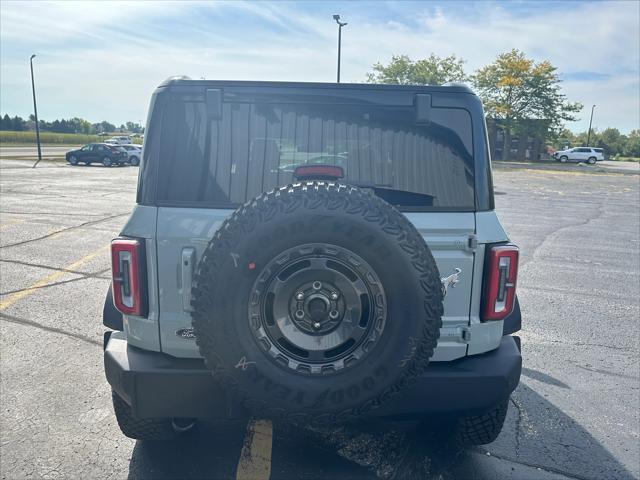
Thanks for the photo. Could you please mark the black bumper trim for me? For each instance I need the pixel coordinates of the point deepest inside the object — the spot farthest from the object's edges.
(513, 322)
(158, 385)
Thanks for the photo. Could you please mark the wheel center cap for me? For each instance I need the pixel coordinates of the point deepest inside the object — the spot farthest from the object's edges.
(318, 307)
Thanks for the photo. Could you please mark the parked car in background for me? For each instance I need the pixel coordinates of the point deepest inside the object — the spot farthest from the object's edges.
(121, 140)
(580, 154)
(134, 153)
(104, 153)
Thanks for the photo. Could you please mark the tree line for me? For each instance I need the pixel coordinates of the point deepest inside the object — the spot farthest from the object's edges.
(515, 90)
(71, 125)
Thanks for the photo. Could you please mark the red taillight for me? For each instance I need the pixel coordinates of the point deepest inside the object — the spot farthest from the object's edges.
(318, 172)
(500, 282)
(128, 268)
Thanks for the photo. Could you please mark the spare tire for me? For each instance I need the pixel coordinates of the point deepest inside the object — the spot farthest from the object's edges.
(316, 302)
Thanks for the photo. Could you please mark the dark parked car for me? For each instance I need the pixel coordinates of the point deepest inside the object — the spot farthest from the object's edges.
(108, 155)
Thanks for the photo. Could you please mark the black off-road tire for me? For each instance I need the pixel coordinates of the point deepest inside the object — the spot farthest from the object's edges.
(481, 429)
(316, 213)
(141, 428)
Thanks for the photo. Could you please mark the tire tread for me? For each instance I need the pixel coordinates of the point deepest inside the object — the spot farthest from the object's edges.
(332, 196)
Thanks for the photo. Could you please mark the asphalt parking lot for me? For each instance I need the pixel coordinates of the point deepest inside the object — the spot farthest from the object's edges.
(574, 415)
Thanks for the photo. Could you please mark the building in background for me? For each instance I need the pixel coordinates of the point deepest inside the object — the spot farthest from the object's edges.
(529, 146)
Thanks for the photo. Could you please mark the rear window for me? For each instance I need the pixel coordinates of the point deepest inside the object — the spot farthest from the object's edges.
(255, 147)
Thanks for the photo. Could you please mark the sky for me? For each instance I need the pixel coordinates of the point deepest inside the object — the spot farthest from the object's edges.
(102, 60)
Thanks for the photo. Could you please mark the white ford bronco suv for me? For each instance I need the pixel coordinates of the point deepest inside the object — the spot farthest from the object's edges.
(313, 253)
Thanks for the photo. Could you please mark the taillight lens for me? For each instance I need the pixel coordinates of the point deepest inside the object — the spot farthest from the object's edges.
(128, 268)
(501, 273)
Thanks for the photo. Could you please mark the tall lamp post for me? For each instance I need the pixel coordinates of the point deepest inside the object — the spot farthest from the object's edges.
(35, 111)
(340, 25)
(590, 122)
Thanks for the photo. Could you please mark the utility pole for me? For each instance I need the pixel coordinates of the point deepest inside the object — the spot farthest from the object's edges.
(340, 25)
(35, 112)
(590, 122)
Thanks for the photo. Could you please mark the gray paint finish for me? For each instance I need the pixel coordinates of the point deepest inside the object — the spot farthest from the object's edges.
(183, 234)
(144, 332)
(182, 229)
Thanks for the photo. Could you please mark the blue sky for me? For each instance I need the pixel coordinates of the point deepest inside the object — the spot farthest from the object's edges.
(102, 60)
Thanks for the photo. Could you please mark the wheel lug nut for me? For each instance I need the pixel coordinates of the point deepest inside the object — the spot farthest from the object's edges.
(299, 313)
(333, 314)
(316, 325)
(316, 285)
(299, 296)
(334, 295)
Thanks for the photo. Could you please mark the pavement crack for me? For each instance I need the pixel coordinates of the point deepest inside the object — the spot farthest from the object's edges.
(51, 267)
(57, 232)
(583, 344)
(605, 372)
(61, 282)
(58, 214)
(547, 237)
(518, 424)
(30, 323)
(538, 466)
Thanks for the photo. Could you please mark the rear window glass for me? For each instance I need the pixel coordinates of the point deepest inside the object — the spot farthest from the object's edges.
(255, 147)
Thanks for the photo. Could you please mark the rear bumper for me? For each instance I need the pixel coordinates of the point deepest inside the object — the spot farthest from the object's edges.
(158, 385)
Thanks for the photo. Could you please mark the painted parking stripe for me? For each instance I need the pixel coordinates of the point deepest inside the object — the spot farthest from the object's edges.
(17, 296)
(255, 457)
(11, 222)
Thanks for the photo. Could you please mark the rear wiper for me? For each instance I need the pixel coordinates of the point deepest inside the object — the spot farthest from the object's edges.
(395, 196)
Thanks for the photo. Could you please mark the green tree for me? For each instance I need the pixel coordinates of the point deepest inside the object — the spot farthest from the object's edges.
(565, 138)
(18, 124)
(611, 141)
(434, 70)
(5, 122)
(104, 126)
(516, 89)
(632, 148)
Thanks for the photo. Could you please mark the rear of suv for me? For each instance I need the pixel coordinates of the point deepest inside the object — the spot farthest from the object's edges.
(313, 253)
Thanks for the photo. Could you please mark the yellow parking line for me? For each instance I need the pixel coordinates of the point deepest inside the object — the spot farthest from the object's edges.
(10, 222)
(15, 297)
(255, 458)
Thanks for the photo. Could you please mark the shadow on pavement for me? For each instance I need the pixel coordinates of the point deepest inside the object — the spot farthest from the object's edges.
(207, 452)
(538, 441)
(543, 377)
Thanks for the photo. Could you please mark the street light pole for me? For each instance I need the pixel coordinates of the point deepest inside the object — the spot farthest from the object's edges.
(590, 122)
(35, 111)
(340, 25)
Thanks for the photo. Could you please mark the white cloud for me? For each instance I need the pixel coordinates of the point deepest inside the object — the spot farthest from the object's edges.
(103, 60)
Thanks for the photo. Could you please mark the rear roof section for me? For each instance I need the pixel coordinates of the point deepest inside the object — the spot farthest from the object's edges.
(423, 100)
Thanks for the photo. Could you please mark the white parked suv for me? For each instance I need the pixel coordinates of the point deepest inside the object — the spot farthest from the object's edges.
(134, 152)
(121, 140)
(580, 154)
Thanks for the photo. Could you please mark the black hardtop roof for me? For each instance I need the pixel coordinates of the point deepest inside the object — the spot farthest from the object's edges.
(187, 82)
